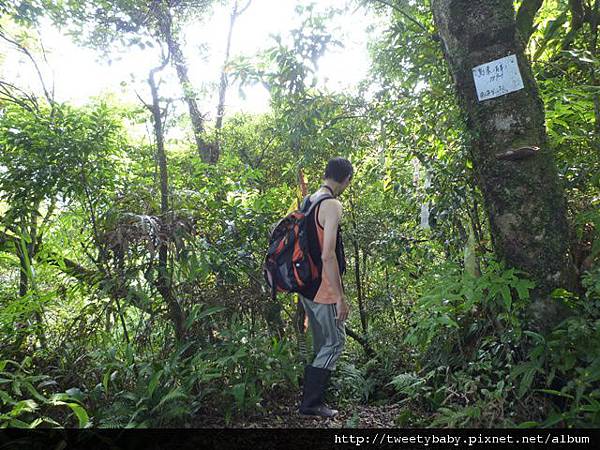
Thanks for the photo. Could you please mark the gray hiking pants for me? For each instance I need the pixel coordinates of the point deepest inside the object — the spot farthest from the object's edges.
(328, 334)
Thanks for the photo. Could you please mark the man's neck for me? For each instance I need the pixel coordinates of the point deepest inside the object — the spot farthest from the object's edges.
(327, 188)
(330, 187)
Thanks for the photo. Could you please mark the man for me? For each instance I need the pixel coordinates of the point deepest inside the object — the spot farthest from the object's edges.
(326, 305)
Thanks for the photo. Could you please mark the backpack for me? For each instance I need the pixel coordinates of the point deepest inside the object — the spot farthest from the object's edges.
(288, 266)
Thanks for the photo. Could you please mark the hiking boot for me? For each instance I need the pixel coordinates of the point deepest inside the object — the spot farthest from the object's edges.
(313, 393)
(320, 411)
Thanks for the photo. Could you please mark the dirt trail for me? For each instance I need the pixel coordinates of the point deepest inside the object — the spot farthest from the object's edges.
(352, 416)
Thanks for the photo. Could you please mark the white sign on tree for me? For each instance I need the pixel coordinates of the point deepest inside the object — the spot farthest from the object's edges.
(497, 78)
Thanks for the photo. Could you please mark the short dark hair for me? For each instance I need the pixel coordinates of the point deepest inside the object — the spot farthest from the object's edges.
(338, 169)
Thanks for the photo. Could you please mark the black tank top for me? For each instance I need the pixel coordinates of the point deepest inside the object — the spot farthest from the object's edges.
(315, 249)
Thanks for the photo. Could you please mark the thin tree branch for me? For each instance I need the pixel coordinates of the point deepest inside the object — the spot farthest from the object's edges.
(405, 14)
(47, 63)
(362, 341)
(241, 11)
(24, 50)
(146, 105)
(28, 102)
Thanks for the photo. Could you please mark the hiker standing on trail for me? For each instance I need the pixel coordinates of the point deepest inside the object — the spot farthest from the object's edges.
(325, 303)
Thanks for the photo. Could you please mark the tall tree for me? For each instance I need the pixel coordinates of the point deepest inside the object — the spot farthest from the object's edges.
(164, 280)
(514, 165)
(235, 13)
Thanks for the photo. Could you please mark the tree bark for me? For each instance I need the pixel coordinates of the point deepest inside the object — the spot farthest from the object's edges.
(164, 279)
(357, 278)
(577, 14)
(206, 151)
(514, 164)
(362, 341)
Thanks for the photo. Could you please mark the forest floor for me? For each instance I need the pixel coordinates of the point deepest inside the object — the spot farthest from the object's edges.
(287, 416)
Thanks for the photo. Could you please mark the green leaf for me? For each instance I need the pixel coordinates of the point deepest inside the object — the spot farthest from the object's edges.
(105, 379)
(447, 321)
(553, 420)
(77, 409)
(506, 297)
(5, 398)
(22, 407)
(16, 423)
(154, 382)
(526, 381)
(81, 414)
(590, 408)
(555, 392)
(523, 287)
(16, 387)
(550, 32)
(34, 392)
(36, 422)
(210, 311)
(75, 393)
(60, 397)
(536, 336)
(561, 293)
(175, 394)
(239, 393)
(530, 424)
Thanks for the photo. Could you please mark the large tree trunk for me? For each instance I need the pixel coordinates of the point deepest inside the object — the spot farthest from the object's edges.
(514, 165)
(164, 278)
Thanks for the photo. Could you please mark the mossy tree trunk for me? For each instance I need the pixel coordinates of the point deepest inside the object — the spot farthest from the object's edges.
(513, 162)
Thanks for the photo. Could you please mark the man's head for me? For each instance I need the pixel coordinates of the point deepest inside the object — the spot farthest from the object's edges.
(338, 174)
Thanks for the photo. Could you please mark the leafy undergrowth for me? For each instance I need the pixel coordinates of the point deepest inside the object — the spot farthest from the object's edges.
(471, 363)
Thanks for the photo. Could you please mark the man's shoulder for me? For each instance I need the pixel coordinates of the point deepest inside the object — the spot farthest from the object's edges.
(331, 205)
